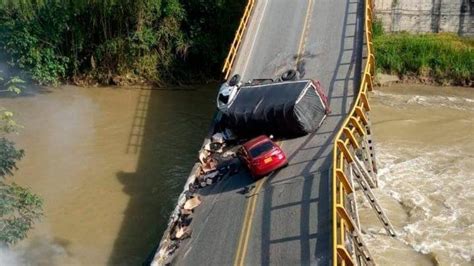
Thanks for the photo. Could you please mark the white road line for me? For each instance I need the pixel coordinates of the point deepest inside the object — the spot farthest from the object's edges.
(254, 39)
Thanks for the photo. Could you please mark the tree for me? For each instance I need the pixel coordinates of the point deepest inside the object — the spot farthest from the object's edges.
(19, 207)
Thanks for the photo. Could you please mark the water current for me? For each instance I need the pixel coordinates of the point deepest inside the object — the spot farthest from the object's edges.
(425, 151)
(110, 163)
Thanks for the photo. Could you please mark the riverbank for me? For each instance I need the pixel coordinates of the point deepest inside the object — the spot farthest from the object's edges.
(388, 80)
(424, 154)
(119, 42)
(442, 59)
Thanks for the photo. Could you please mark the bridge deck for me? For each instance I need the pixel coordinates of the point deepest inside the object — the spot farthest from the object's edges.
(286, 219)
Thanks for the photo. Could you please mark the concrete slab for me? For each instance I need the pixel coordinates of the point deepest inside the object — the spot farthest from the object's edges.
(291, 223)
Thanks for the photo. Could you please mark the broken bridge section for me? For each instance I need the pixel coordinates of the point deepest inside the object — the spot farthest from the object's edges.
(306, 212)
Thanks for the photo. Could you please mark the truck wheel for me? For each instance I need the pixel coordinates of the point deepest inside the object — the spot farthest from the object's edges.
(234, 80)
(289, 75)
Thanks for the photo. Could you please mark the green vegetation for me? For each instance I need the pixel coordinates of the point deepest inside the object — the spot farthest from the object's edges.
(19, 207)
(118, 41)
(109, 42)
(444, 58)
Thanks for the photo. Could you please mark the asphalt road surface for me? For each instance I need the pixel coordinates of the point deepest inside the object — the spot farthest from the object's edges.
(285, 219)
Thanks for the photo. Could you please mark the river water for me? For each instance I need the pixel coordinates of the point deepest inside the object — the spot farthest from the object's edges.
(425, 151)
(110, 163)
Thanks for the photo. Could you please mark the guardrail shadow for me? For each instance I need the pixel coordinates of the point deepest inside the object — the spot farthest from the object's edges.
(315, 184)
(307, 178)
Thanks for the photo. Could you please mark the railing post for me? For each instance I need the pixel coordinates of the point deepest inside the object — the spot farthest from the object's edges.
(355, 133)
(234, 47)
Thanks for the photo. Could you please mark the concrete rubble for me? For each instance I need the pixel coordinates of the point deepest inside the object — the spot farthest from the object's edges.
(216, 161)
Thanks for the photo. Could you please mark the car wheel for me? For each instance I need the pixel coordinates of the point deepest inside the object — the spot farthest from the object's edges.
(234, 80)
(289, 75)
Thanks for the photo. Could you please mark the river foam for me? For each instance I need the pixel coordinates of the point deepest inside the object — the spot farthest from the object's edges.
(435, 189)
(402, 100)
(425, 157)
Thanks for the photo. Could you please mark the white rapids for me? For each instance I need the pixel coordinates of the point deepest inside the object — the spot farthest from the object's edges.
(425, 150)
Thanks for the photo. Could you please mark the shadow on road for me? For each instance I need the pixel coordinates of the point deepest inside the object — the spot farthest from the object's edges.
(314, 239)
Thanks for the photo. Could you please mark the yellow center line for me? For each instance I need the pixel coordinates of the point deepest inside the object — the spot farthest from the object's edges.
(304, 32)
(252, 203)
(241, 238)
(247, 224)
(243, 233)
(252, 212)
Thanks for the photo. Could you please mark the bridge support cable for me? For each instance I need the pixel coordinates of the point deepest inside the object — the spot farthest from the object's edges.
(353, 198)
(354, 251)
(361, 172)
(362, 177)
(354, 140)
(362, 253)
(366, 157)
(363, 256)
(369, 144)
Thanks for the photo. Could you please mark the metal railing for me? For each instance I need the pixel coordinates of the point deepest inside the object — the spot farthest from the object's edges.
(229, 61)
(349, 138)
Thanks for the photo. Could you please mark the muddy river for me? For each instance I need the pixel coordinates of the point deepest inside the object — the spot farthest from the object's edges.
(425, 151)
(110, 163)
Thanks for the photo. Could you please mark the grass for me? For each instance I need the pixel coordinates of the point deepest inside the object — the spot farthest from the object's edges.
(444, 58)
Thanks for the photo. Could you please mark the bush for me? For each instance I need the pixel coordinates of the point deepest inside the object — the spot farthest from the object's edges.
(443, 57)
(377, 28)
(150, 39)
(19, 208)
(55, 39)
(29, 51)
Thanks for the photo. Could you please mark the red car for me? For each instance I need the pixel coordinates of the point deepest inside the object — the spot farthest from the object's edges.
(262, 156)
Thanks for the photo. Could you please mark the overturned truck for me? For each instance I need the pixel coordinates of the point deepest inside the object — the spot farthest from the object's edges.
(286, 109)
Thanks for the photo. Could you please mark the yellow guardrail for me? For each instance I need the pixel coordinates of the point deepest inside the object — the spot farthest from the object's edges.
(229, 61)
(348, 138)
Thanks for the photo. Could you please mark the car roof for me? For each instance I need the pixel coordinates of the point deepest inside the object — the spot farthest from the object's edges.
(255, 141)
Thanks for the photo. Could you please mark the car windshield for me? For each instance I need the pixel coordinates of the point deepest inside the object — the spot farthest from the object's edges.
(223, 99)
(260, 149)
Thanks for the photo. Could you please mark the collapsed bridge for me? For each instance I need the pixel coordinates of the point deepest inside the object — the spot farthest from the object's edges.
(305, 213)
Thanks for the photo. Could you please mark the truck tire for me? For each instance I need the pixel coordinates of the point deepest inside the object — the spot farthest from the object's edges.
(234, 80)
(289, 75)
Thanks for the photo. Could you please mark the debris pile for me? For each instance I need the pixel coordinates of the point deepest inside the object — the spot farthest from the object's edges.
(216, 161)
